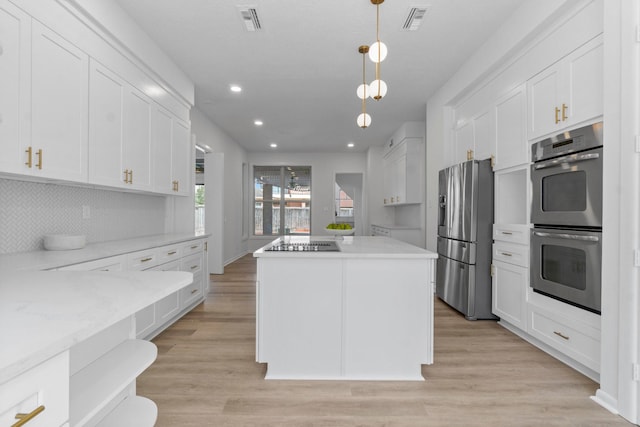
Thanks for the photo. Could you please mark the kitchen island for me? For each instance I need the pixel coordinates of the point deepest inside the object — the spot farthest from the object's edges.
(361, 312)
(69, 352)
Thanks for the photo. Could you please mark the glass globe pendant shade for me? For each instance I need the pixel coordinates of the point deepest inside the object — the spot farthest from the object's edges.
(377, 89)
(364, 120)
(378, 51)
(363, 91)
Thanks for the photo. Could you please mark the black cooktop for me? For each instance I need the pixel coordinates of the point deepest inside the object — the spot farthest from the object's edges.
(311, 246)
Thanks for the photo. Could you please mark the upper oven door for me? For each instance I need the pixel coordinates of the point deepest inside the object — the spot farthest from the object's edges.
(567, 190)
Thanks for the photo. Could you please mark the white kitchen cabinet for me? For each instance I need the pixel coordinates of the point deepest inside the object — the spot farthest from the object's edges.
(509, 286)
(181, 158)
(511, 148)
(115, 263)
(15, 87)
(410, 235)
(464, 144)
(402, 173)
(571, 331)
(42, 391)
(173, 154)
(136, 139)
(483, 136)
(567, 93)
(59, 96)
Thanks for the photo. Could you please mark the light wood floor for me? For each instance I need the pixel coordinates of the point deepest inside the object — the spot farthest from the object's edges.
(483, 375)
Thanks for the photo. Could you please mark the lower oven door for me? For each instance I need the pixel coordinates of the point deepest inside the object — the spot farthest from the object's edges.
(567, 265)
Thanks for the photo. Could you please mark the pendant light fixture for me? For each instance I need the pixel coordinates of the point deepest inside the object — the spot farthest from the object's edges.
(377, 54)
(363, 120)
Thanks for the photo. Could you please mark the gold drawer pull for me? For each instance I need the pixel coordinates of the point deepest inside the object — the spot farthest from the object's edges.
(557, 112)
(194, 247)
(508, 233)
(564, 112)
(561, 335)
(194, 291)
(29, 161)
(506, 254)
(39, 154)
(25, 418)
(193, 267)
(171, 253)
(146, 259)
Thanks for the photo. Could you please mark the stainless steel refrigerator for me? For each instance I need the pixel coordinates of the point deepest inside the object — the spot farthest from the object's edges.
(465, 221)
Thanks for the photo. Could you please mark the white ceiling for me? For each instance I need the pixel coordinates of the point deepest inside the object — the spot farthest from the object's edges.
(299, 74)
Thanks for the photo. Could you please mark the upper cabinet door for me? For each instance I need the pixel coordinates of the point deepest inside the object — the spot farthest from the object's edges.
(137, 141)
(59, 102)
(464, 145)
(584, 69)
(182, 162)
(15, 85)
(568, 93)
(106, 97)
(543, 92)
(163, 134)
(511, 136)
(483, 136)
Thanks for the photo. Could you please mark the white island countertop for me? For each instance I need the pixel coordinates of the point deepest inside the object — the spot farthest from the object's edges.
(43, 313)
(350, 247)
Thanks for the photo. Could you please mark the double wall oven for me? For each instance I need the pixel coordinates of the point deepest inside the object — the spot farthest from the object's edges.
(566, 211)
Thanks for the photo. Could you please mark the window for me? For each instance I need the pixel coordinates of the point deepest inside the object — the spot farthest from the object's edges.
(276, 186)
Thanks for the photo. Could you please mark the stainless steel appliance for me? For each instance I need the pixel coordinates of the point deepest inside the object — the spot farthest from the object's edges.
(465, 218)
(566, 210)
(566, 264)
(567, 179)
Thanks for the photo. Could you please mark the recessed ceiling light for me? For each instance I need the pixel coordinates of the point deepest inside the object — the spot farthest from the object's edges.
(235, 88)
(351, 145)
(258, 122)
(273, 145)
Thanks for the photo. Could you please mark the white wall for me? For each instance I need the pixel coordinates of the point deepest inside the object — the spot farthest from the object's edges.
(207, 132)
(324, 166)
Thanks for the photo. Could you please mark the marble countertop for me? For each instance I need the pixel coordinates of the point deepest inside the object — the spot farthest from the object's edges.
(44, 260)
(352, 247)
(43, 313)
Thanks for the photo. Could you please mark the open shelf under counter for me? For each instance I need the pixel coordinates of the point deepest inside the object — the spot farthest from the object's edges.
(97, 384)
(134, 411)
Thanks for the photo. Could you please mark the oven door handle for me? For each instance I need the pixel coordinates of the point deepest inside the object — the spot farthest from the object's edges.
(567, 159)
(568, 236)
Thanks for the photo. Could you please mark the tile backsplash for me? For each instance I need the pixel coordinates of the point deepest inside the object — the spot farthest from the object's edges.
(29, 210)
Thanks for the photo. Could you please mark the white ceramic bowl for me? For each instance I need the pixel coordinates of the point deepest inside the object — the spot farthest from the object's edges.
(64, 242)
(338, 232)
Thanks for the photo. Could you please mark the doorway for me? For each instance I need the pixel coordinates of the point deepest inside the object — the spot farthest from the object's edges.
(348, 200)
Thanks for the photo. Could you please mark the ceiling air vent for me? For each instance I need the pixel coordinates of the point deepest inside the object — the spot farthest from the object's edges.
(250, 18)
(414, 18)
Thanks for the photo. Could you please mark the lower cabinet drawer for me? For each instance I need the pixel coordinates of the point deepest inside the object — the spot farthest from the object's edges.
(579, 341)
(511, 253)
(44, 386)
(191, 293)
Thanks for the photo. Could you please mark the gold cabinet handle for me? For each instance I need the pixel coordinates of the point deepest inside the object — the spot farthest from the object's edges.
(171, 253)
(25, 418)
(193, 267)
(385, 201)
(469, 154)
(126, 176)
(131, 176)
(177, 185)
(506, 254)
(564, 112)
(194, 247)
(493, 161)
(561, 335)
(557, 112)
(194, 291)
(29, 162)
(39, 154)
(508, 233)
(146, 259)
